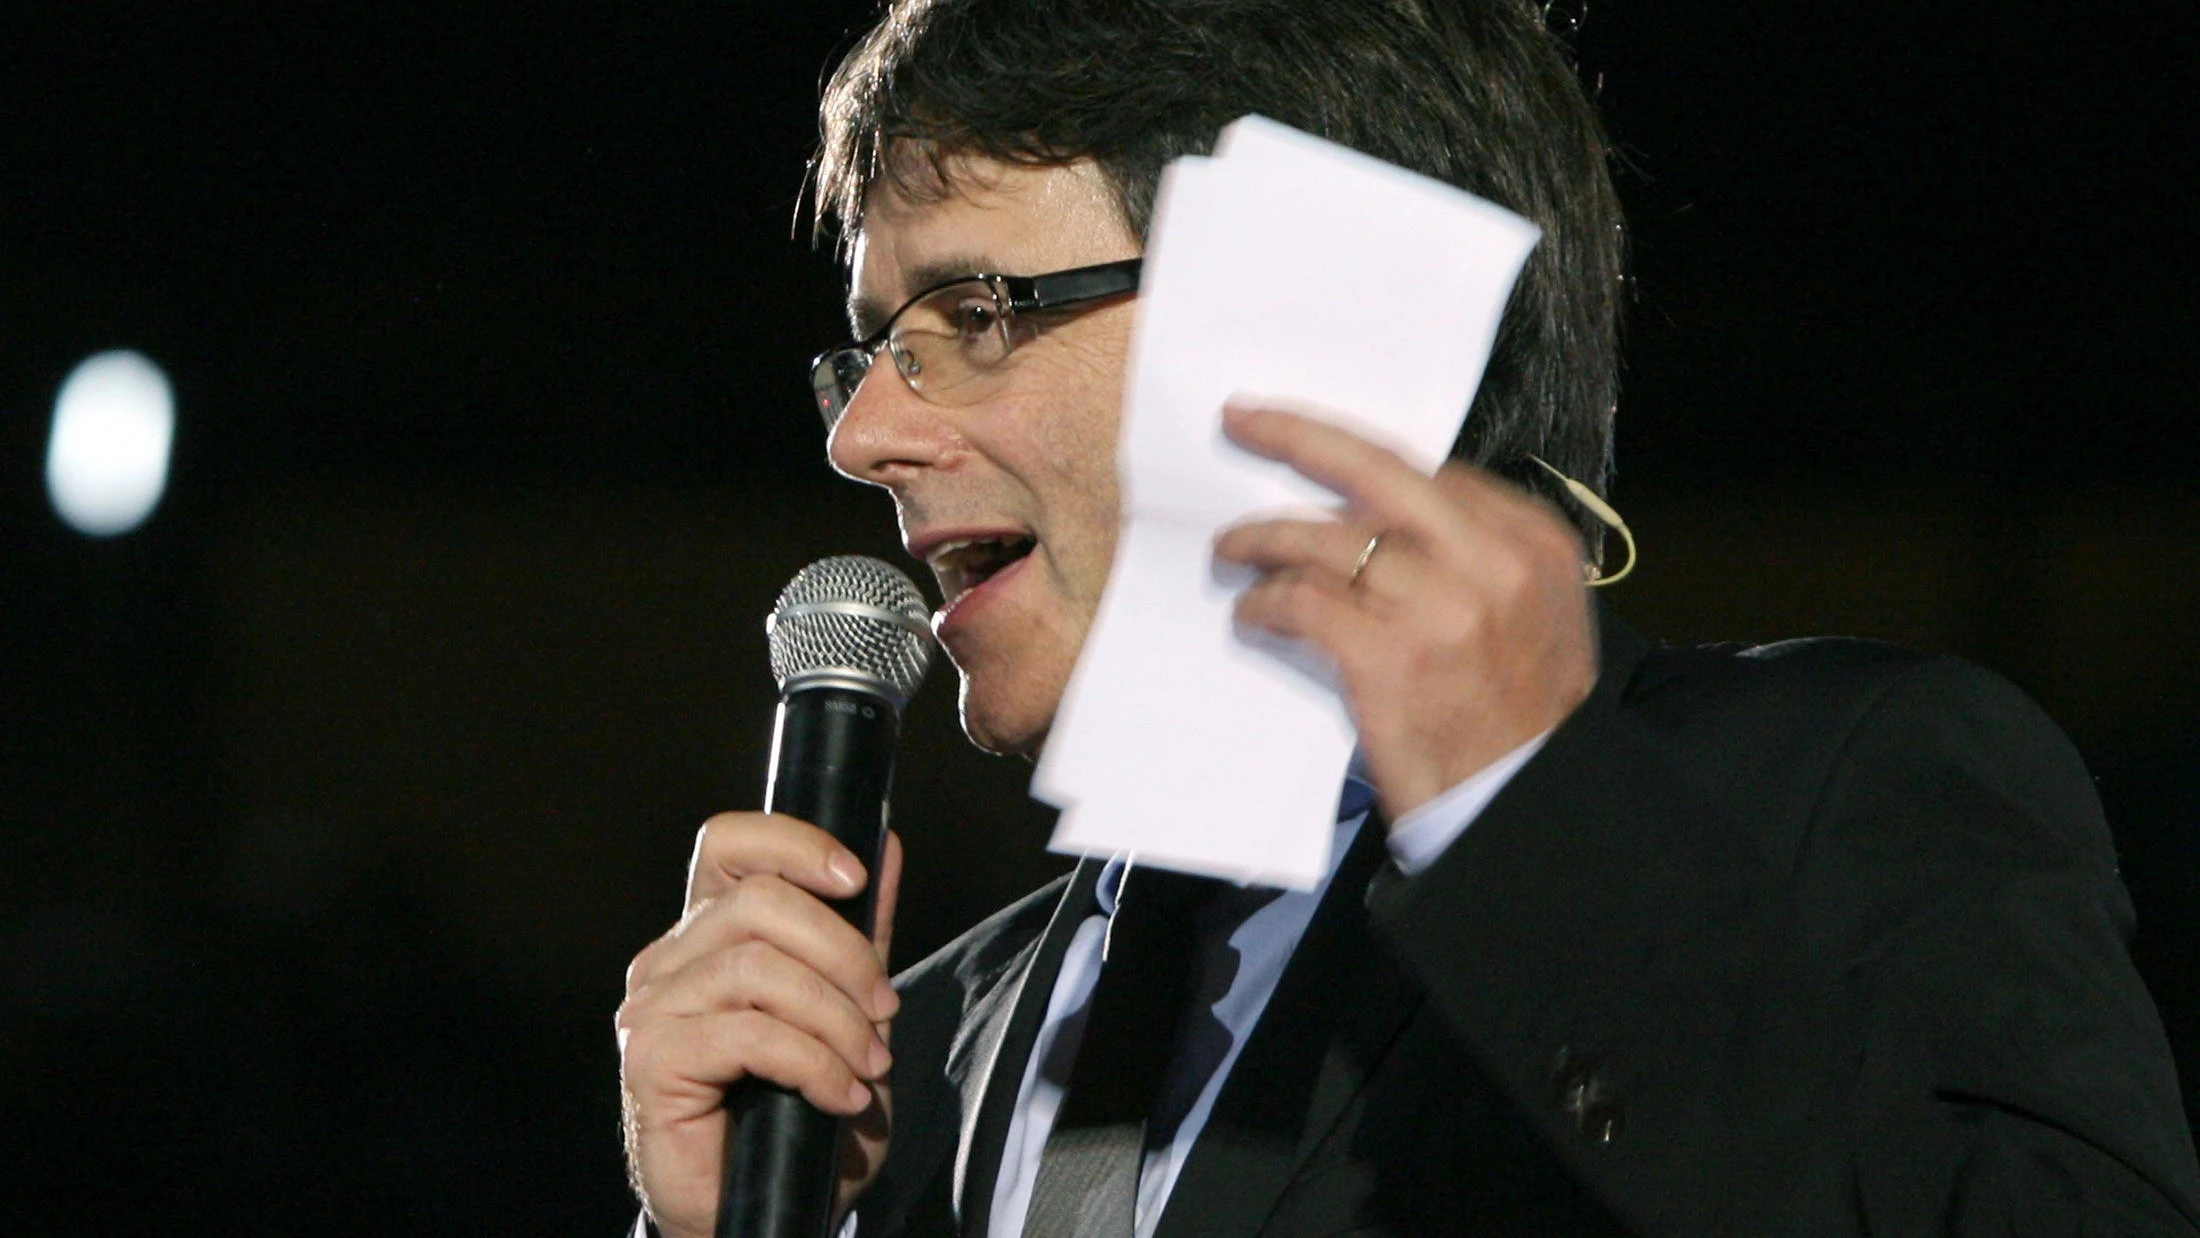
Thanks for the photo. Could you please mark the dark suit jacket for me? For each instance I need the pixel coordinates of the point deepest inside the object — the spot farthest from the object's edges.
(1814, 938)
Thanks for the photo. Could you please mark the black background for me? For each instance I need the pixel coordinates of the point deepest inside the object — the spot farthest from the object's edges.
(333, 801)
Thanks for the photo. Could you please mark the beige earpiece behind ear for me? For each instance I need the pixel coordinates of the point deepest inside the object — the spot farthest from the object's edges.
(1603, 511)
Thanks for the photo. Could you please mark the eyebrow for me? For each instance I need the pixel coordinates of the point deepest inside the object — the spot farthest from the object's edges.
(867, 314)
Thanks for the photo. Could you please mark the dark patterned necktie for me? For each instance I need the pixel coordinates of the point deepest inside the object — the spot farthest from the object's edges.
(1088, 1175)
(1122, 1095)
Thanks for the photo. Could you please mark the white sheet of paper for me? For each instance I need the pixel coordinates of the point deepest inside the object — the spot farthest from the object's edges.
(1312, 276)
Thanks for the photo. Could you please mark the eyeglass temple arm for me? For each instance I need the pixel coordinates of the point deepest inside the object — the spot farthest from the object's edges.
(1068, 287)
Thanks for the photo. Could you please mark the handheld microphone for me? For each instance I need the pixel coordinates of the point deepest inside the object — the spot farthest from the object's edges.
(849, 645)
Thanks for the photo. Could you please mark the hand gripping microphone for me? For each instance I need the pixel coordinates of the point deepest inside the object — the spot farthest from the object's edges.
(849, 645)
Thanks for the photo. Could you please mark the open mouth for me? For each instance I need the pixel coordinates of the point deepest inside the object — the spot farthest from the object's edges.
(964, 565)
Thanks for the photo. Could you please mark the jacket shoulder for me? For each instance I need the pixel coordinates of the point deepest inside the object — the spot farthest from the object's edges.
(1814, 691)
(1812, 666)
(1769, 732)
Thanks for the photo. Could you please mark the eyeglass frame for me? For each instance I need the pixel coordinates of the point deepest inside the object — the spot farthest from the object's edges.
(1012, 295)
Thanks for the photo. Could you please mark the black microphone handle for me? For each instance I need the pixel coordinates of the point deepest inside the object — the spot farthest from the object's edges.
(832, 765)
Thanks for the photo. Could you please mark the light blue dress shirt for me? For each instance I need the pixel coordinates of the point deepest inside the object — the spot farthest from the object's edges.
(1262, 943)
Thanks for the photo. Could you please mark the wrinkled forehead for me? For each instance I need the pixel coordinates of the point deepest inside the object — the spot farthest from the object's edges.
(974, 215)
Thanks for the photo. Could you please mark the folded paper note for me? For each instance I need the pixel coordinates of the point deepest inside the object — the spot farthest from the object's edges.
(1310, 276)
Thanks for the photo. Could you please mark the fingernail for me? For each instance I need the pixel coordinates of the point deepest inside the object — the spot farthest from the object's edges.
(880, 1059)
(859, 1096)
(846, 871)
(884, 1001)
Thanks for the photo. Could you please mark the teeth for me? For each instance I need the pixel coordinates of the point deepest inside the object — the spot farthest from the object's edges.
(944, 549)
(973, 551)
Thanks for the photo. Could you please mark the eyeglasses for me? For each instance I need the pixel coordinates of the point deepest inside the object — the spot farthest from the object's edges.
(947, 340)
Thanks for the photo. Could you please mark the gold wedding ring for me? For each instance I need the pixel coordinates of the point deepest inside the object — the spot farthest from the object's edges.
(1366, 552)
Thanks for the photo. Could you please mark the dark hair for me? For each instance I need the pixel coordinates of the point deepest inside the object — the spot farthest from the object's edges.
(1478, 93)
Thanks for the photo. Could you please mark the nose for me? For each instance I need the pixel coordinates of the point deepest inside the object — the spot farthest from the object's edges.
(887, 433)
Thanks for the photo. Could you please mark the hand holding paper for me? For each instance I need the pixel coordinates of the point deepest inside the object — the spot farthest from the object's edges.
(1462, 635)
(1311, 274)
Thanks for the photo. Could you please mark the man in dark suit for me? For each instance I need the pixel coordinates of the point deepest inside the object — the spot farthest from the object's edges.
(1814, 938)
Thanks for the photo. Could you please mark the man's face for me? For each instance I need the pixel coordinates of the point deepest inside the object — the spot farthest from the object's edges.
(1012, 499)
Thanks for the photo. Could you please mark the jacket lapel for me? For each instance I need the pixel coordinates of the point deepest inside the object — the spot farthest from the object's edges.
(988, 1061)
(1337, 1007)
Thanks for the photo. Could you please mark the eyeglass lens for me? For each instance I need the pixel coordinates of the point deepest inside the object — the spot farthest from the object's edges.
(939, 342)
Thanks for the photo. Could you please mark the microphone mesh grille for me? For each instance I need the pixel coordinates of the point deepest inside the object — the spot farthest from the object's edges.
(894, 652)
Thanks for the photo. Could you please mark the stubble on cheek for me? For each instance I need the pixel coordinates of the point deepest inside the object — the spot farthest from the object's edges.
(1081, 446)
(1015, 669)
(1013, 684)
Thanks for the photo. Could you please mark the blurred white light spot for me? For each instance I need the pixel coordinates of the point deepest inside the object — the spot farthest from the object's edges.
(107, 462)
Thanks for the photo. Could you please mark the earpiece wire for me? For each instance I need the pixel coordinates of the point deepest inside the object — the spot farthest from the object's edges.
(1602, 511)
